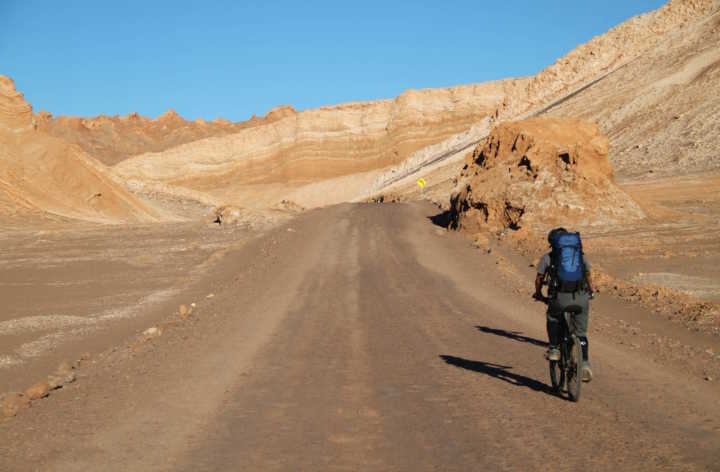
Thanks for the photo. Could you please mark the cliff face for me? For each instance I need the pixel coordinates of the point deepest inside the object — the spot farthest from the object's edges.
(325, 142)
(42, 176)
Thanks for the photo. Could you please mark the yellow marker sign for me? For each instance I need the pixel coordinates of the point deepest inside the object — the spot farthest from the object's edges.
(421, 183)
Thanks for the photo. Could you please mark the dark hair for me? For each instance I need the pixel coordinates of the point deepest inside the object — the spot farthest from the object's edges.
(554, 233)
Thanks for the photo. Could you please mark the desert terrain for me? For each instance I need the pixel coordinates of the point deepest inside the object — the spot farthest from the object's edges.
(279, 293)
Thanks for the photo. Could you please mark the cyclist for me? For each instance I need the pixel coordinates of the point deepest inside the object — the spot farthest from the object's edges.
(557, 301)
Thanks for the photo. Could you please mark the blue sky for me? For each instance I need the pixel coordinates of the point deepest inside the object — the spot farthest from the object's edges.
(232, 58)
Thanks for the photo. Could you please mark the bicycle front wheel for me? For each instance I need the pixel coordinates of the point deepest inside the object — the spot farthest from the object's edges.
(574, 369)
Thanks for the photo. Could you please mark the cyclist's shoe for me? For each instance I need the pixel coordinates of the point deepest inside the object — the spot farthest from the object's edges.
(553, 354)
(586, 372)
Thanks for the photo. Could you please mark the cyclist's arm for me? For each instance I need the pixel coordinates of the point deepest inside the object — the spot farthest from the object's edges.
(538, 285)
(542, 269)
(588, 277)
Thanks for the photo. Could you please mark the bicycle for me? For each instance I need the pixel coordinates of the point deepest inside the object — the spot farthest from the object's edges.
(566, 374)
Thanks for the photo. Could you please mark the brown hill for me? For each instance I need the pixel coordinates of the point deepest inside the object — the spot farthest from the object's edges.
(111, 139)
(44, 176)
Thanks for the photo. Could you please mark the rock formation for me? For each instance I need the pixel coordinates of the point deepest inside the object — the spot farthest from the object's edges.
(15, 112)
(42, 175)
(111, 139)
(539, 172)
(322, 143)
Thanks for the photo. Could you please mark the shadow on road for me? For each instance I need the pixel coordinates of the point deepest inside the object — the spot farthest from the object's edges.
(441, 219)
(499, 372)
(514, 335)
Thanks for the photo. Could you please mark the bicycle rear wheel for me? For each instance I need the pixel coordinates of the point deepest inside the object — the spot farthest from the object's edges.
(557, 375)
(574, 369)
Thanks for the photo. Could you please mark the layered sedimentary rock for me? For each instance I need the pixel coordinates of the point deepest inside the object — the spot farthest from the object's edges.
(41, 175)
(325, 142)
(15, 112)
(539, 172)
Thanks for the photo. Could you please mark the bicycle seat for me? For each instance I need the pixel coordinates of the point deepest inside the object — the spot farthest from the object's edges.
(573, 309)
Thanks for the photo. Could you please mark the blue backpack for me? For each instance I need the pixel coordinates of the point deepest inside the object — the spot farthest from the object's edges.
(567, 262)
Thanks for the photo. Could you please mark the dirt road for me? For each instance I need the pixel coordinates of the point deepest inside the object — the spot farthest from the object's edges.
(363, 337)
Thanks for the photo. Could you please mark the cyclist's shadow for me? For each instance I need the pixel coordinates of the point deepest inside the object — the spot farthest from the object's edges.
(514, 335)
(498, 371)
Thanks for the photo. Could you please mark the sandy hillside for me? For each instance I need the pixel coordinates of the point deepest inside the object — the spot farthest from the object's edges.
(640, 36)
(662, 111)
(42, 176)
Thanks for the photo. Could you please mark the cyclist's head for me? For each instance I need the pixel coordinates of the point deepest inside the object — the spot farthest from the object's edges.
(554, 233)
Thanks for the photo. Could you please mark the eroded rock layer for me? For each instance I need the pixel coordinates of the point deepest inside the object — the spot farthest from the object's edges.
(539, 171)
(15, 112)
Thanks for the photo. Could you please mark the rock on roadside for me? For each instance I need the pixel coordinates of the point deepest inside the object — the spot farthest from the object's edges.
(12, 403)
(37, 391)
(62, 376)
(152, 332)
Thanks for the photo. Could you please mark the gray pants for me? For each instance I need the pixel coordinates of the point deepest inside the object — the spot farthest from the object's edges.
(555, 313)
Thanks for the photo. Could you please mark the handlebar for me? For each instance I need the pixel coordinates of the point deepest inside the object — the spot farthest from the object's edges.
(544, 299)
